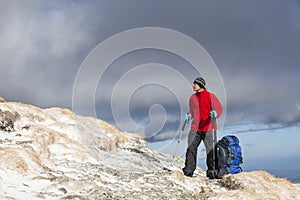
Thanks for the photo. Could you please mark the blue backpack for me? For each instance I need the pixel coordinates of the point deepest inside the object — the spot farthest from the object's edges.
(229, 156)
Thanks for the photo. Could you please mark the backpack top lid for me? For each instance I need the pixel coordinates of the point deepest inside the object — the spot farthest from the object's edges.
(231, 140)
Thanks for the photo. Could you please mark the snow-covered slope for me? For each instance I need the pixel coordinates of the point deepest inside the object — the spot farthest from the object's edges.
(55, 154)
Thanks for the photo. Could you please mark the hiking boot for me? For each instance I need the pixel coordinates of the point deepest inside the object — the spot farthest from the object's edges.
(187, 173)
(211, 173)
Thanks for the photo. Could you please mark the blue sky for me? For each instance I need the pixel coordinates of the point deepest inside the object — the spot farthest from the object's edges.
(248, 50)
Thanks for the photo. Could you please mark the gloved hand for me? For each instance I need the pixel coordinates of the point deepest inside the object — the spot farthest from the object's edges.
(213, 114)
(187, 117)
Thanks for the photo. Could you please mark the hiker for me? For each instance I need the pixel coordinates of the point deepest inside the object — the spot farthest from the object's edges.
(203, 106)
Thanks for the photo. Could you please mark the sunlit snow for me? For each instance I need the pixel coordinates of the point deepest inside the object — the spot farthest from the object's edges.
(56, 154)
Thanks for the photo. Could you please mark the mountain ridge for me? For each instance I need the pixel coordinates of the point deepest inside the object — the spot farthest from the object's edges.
(55, 154)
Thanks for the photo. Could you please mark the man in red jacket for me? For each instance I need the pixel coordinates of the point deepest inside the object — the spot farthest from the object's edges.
(203, 106)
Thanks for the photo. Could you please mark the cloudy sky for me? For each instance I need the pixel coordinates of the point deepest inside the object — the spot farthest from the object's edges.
(254, 45)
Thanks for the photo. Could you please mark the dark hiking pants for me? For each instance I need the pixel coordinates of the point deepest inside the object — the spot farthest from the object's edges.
(194, 140)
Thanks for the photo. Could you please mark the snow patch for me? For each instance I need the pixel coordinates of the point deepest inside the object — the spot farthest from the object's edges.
(55, 154)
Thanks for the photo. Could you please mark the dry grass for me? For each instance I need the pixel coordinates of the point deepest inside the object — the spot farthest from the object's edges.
(260, 185)
(2, 100)
(108, 128)
(11, 160)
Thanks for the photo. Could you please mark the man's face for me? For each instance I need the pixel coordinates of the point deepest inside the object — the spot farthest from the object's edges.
(196, 87)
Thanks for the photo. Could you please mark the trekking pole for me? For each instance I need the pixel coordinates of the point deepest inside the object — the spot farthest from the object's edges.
(213, 119)
(181, 133)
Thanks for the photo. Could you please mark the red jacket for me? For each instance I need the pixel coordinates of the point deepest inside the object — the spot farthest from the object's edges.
(201, 103)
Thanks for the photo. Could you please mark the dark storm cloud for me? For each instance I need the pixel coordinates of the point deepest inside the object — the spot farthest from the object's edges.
(260, 66)
(255, 45)
(42, 45)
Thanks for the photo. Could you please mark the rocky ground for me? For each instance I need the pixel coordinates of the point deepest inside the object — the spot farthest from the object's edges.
(55, 154)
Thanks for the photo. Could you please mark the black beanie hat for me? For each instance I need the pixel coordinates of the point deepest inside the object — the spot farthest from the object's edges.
(200, 81)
